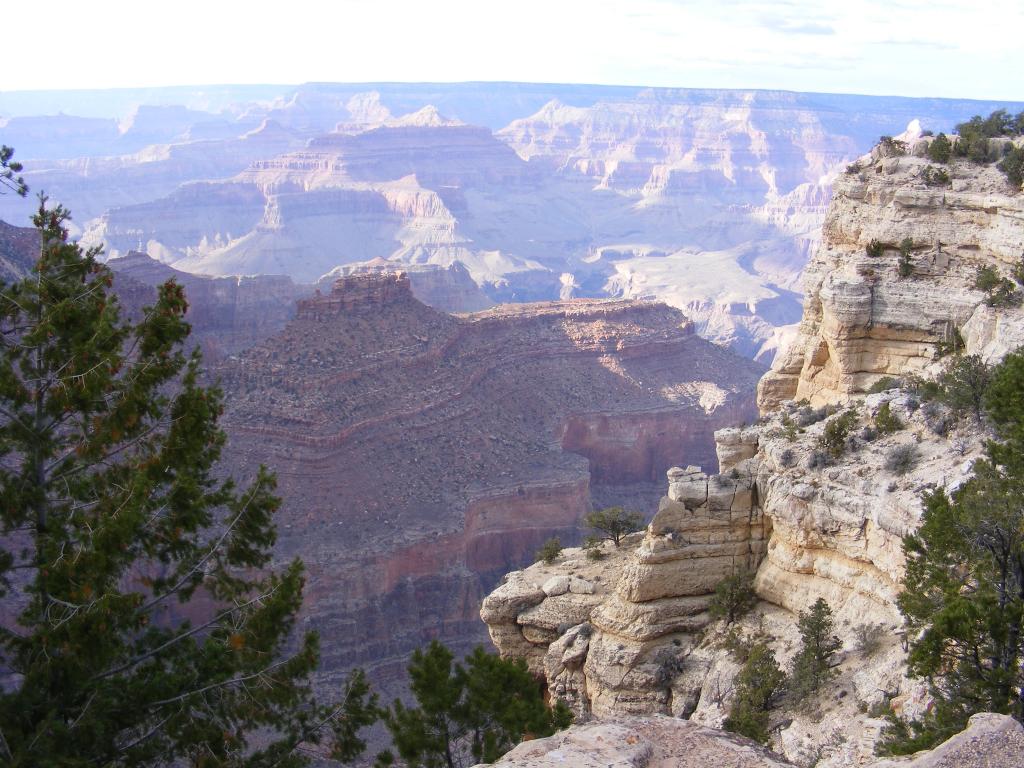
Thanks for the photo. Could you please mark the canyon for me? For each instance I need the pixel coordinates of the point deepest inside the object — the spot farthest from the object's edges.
(709, 200)
(630, 634)
(421, 454)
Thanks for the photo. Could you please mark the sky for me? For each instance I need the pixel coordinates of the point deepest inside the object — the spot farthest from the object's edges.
(898, 47)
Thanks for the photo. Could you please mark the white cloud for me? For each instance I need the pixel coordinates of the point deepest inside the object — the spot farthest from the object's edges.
(873, 46)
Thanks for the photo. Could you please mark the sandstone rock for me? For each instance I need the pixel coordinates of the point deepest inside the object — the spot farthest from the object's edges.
(989, 741)
(640, 742)
(861, 320)
(556, 585)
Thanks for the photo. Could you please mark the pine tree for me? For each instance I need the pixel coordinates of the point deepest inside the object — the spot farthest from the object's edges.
(964, 588)
(148, 627)
(734, 596)
(812, 667)
(758, 686)
(467, 714)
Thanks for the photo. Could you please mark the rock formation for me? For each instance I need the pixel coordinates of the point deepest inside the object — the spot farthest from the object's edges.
(861, 321)
(422, 455)
(640, 640)
(708, 200)
(227, 314)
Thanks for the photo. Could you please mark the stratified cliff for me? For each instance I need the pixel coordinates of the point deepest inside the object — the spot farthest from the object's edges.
(862, 320)
(631, 634)
(422, 455)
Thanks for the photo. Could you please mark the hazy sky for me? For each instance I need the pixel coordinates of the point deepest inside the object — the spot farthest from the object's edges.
(905, 47)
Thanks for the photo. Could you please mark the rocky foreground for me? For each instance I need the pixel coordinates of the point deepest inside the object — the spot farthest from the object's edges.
(630, 634)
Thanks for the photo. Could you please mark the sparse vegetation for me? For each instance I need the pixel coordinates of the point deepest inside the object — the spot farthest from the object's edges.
(874, 248)
(549, 551)
(759, 685)
(734, 596)
(1000, 291)
(884, 384)
(904, 265)
(787, 458)
(613, 523)
(963, 384)
(833, 438)
(869, 638)
(887, 422)
(935, 177)
(937, 418)
(902, 459)
(668, 665)
(963, 596)
(593, 546)
(952, 344)
(892, 147)
(1013, 166)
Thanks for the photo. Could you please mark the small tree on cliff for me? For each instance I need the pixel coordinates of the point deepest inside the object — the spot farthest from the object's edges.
(758, 686)
(613, 523)
(964, 588)
(812, 666)
(116, 528)
(467, 714)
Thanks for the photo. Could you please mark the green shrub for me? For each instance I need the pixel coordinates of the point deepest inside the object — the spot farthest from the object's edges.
(884, 384)
(833, 439)
(734, 596)
(668, 665)
(935, 177)
(904, 266)
(887, 422)
(874, 249)
(963, 385)
(593, 546)
(952, 344)
(1013, 166)
(758, 686)
(1000, 291)
(549, 552)
(940, 149)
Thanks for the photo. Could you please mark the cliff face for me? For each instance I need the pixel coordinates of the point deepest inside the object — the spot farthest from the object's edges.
(631, 634)
(422, 455)
(227, 314)
(861, 320)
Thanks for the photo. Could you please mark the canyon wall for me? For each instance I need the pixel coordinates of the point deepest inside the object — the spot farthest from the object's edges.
(421, 455)
(708, 200)
(629, 633)
(861, 320)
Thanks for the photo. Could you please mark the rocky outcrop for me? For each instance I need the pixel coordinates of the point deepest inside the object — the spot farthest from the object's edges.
(449, 289)
(862, 320)
(422, 455)
(813, 525)
(989, 741)
(640, 742)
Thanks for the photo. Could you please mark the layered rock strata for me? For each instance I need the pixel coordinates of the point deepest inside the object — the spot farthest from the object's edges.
(818, 525)
(422, 455)
(862, 320)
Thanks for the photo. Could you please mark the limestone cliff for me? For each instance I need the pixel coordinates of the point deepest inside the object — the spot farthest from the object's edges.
(630, 633)
(862, 320)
